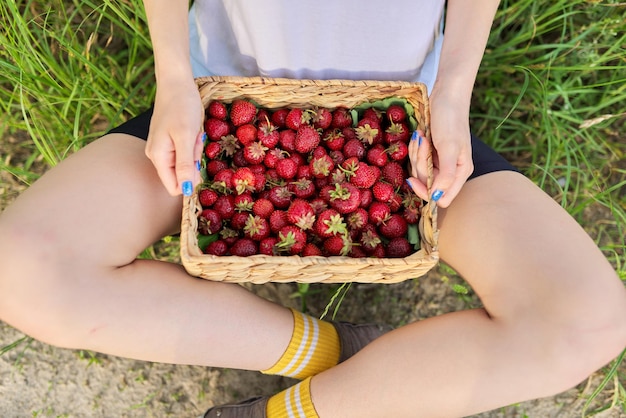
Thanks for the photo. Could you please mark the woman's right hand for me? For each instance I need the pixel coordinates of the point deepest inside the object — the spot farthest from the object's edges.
(176, 135)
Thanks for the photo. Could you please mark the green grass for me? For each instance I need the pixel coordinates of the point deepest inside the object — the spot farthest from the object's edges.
(551, 96)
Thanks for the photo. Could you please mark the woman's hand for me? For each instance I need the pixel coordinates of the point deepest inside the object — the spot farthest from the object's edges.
(451, 149)
(176, 135)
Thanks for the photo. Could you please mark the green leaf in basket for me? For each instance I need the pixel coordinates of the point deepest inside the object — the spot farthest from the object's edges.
(413, 236)
(204, 240)
(383, 105)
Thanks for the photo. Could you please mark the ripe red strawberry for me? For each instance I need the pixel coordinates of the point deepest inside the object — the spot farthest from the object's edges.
(396, 113)
(278, 219)
(321, 118)
(272, 156)
(296, 118)
(228, 234)
(338, 176)
(287, 168)
(217, 109)
(335, 245)
(367, 197)
(354, 148)
(215, 166)
(263, 208)
(291, 239)
(349, 133)
(373, 114)
(242, 112)
(369, 131)
(279, 116)
(304, 172)
(268, 134)
(307, 138)
(209, 222)
(219, 248)
(328, 223)
(301, 214)
(333, 139)
(238, 221)
(378, 212)
(280, 196)
(398, 151)
(341, 118)
(395, 203)
(321, 166)
(223, 180)
(246, 134)
(212, 150)
(377, 155)
(399, 248)
(396, 132)
(216, 128)
(383, 192)
(311, 250)
(256, 228)
(303, 188)
(319, 205)
(394, 174)
(243, 180)
(243, 202)
(229, 144)
(365, 175)
(345, 198)
(259, 181)
(357, 219)
(207, 197)
(225, 205)
(244, 247)
(266, 246)
(369, 239)
(393, 227)
(254, 153)
(287, 140)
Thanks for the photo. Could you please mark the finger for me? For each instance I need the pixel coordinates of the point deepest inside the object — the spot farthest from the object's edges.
(163, 160)
(464, 169)
(187, 173)
(447, 159)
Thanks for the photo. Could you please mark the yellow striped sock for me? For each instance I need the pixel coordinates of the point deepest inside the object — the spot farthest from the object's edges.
(314, 347)
(294, 402)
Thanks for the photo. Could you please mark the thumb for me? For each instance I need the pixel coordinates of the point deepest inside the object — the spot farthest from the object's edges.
(446, 173)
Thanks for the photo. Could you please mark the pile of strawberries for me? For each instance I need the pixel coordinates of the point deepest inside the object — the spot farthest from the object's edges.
(306, 182)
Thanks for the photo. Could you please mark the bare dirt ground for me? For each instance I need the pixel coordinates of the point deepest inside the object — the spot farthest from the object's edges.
(38, 380)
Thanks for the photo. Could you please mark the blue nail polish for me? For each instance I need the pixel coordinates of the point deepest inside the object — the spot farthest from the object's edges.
(203, 137)
(414, 136)
(408, 182)
(437, 195)
(187, 187)
(419, 141)
(198, 166)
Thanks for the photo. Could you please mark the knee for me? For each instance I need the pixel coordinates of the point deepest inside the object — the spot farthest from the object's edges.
(584, 337)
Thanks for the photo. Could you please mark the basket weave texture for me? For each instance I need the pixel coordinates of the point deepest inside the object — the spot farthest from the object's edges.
(275, 93)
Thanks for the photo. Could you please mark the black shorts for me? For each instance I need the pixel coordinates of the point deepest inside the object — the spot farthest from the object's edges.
(486, 160)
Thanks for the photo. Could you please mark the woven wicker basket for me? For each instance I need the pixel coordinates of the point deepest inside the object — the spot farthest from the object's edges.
(275, 93)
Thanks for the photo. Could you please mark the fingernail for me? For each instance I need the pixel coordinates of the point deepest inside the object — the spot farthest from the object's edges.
(414, 136)
(203, 137)
(437, 195)
(408, 182)
(198, 166)
(187, 188)
(419, 141)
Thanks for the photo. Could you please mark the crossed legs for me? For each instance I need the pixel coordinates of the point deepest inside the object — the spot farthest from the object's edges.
(553, 307)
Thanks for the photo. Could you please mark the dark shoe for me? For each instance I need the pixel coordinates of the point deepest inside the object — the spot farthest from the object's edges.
(354, 337)
(250, 408)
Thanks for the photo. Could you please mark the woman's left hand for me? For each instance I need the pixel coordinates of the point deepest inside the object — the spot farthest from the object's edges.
(451, 149)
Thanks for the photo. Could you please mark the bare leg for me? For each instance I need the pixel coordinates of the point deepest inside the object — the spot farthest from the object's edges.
(553, 313)
(68, 274)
